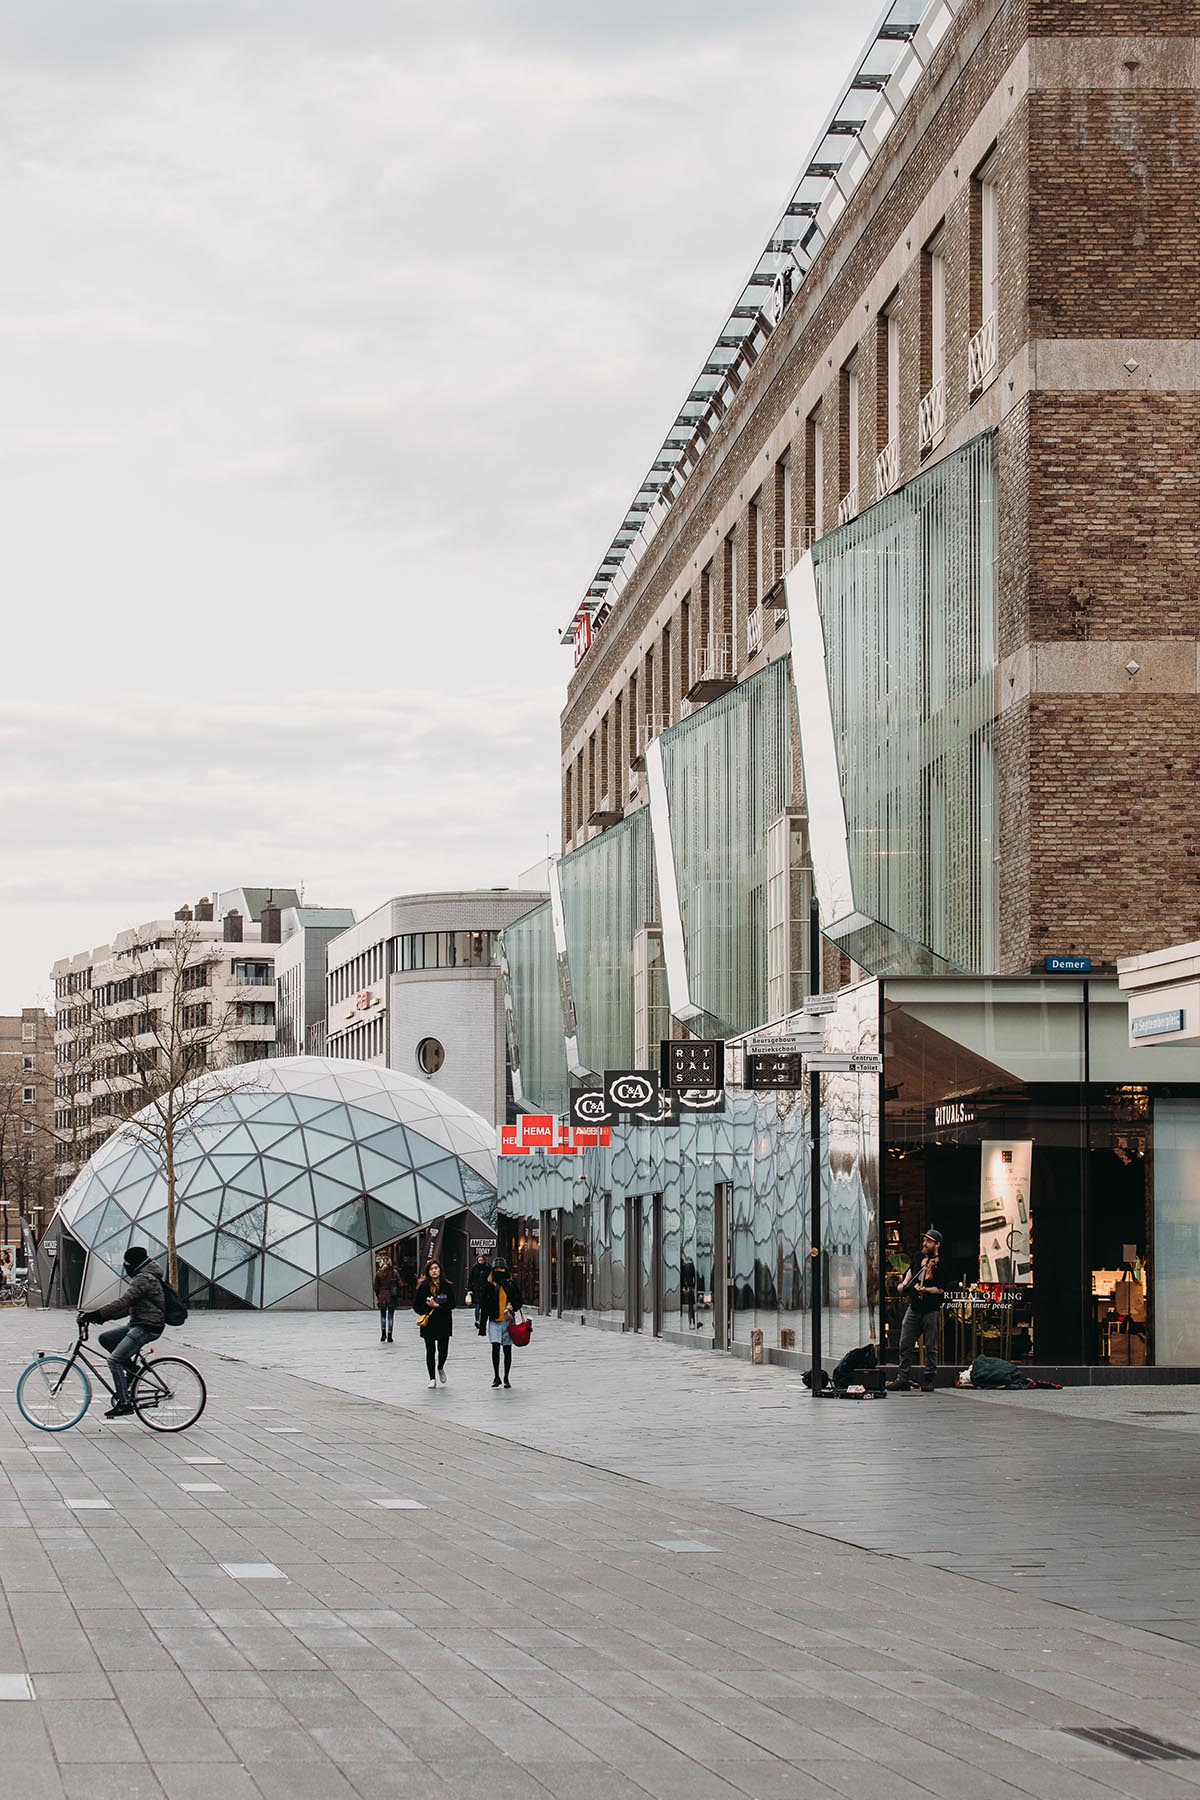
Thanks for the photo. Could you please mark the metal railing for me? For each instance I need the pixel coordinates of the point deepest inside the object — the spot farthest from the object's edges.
(887, 469)
(713, 659)
(931, 420)
(754, 631)
(847, 506)
(981, 354)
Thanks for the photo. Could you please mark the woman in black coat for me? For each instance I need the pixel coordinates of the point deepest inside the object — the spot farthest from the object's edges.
(500, 1300)
(433, 1304)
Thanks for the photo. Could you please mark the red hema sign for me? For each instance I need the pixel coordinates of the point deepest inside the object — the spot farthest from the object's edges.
(537, 1131)
(509, 1142)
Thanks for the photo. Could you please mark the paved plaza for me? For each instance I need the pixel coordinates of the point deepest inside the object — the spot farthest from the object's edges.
(641, 1572)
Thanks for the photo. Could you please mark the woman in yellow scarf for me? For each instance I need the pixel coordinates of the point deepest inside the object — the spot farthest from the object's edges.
(500, 1299)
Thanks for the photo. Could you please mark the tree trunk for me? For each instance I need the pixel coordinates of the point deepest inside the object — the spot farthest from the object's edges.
(172, 1256)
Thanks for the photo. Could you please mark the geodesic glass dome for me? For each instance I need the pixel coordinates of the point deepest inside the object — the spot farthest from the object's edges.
(287, 1181)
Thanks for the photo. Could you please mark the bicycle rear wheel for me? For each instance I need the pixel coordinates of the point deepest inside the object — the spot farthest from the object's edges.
(53, 1393)
(168, 1394)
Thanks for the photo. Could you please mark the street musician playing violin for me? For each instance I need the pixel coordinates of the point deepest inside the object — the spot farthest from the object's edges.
(924, 1289)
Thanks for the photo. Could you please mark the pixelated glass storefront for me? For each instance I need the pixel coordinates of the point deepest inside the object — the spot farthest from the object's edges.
(1061, 1164)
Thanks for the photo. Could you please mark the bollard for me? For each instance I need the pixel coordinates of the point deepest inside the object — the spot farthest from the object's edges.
(787, 1338)
(756, 1344)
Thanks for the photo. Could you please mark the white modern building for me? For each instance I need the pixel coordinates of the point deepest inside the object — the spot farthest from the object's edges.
(416, 986)
(109, 1001)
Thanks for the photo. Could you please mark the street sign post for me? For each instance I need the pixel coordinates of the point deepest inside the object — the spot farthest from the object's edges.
(692, 1063)
(847, 1062)
(774, 1072)
(792, 1043)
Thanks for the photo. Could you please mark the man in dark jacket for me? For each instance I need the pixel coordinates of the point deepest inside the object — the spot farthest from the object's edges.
(143, 1303)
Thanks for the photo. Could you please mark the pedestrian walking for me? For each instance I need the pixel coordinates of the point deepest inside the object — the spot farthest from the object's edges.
(924, 1287)
(479, 1275)
(501, 1301)
(387, 1292)
(433, 1304)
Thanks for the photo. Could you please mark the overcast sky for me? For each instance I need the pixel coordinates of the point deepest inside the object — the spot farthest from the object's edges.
(336, 335)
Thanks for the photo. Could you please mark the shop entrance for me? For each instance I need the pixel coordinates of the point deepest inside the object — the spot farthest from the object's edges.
(551, 1269)
(722, 1268)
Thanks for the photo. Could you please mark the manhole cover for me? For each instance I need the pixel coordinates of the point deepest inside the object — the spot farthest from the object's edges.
(1142, 1746)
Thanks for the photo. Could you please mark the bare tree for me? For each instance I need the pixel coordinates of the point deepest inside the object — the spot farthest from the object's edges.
(26, 1156)
(148, 1034)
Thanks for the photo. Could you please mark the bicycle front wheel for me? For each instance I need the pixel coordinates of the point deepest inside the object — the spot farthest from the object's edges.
(168, 1394)
(53, 1393)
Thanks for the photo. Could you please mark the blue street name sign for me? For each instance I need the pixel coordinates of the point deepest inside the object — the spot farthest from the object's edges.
(1068, 965)
(1154, 1024)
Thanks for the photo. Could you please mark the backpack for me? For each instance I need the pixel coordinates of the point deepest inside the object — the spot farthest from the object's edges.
(855, 1364)
(994, 1372)
(175, 1310)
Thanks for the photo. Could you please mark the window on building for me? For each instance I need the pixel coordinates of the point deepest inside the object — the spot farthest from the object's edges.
(756, 573)
(28, 1031)
(253, 974)
(27, 1064)
(729, 583)
(28, 1095)
(815, 472)
(27, 1125)
(932, 423)
(196, 975)
(982, 350)
(848, 436)
(783, 557)
(194, 1017)
(256, 1012)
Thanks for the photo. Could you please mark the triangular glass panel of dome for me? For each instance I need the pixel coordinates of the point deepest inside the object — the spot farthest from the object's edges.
(311, 1106)
(152, 1232)
(390, 1140)
(423, 1151)
(342, 1167)
(228, 1168)
(329, 1195)
(299, 1249)
(334, 1249)
(228, 1254)
(282, 1222)
(198, 1253)
(198, 1174)
(337, 1122)
(276, 1110)
(247, 1226)
(387, 1225)
(280, 1280)
(296, 1193)
(319, 1145)
(478, 1189)
(377, 1169)
(400, 1194)
(153, 1195)
(86, 1224)
(238, 1138)
(448, 1176)
(207, 1203)
(243, 1282)
(188, 1224)
(351, 1221)
(265, 1135)
(435, 1201)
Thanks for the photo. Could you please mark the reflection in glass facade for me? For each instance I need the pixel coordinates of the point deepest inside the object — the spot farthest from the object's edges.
(904, 782)
(288, 1180)
(607, 890)
(533, 1013)
(727, 776)
(703, 1229)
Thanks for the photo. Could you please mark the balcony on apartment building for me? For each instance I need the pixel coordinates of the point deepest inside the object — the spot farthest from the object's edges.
(712, 667)
(847, 506)
(605, 813)
(931, 419)
(887, 469)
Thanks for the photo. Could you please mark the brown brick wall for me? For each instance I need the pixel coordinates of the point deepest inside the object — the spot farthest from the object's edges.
(1114, 840)
(1114, 230)
(1105, 18)
(1114, 516)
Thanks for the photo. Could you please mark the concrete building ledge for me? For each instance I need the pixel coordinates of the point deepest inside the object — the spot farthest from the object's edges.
(1095, 666)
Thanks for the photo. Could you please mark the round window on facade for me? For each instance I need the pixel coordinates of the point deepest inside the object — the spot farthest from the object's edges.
(430, 1056)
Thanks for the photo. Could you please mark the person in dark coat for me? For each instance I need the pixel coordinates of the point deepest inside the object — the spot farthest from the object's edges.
(433, 1304)
(501, 1300)
(479, 1275)
(387, 1292)
(143, 1304)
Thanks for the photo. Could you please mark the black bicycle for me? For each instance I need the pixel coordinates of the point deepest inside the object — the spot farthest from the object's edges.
(54, 1392)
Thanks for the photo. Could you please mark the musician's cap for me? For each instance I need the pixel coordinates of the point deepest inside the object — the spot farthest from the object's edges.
(931, 1233)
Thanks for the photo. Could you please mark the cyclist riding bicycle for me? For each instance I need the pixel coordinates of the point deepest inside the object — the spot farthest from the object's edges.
(144, 1303)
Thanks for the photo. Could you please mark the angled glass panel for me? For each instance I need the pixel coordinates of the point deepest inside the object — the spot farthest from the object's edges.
(265, 1136)
(188, 1225)
(200, 1175)
(330, 1194)
(400, 1194)
(377, 1169)
(229, 1253)
(299, 1249)
(434, 1201)
(320, 1145)
(247, 1226)
(422, 1151)
(281, 1222)
(351, 1221)
(199, 1254)
(337, 1122)
(390, 1140)
(296, 1193)
(278, 1176)
(243, 1281)
(343, 1167)
(280, 1279)
(309, 1106)
(387, 1225)
(447, 1175)
(334, 1249)
(152, 1232)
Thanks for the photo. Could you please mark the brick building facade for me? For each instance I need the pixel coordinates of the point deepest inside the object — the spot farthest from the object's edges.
(27, 1072)
(1020, 257)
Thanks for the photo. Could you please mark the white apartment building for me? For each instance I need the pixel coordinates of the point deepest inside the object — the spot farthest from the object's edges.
(236, 954)
(416, 985)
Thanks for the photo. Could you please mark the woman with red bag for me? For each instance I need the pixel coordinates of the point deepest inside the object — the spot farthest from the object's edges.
(500, 1301)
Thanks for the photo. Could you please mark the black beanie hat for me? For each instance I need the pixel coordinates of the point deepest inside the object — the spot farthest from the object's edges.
(135, 1256)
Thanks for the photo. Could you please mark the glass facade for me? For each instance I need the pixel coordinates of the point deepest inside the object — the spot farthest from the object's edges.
(533, 1012)
(726, 777)
(608, 897)
(287, 1182)
(896, 678)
